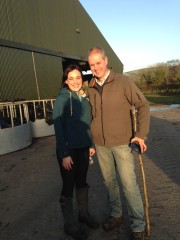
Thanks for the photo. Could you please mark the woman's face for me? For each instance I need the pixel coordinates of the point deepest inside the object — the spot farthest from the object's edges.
(74, 80)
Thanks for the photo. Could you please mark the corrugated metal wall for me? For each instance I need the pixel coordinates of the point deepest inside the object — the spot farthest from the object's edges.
(90, 36)
(16, 74)
(49, 71)
(41, 26)
(42, 23)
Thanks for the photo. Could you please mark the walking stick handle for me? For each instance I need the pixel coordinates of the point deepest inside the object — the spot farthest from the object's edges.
(133, 113)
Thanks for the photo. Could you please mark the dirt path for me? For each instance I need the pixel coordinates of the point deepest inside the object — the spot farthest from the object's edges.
(30, 184)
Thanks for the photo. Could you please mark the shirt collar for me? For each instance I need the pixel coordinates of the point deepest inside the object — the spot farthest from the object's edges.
(104, 79)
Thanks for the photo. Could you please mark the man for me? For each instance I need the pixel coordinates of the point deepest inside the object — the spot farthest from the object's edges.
(112, 96)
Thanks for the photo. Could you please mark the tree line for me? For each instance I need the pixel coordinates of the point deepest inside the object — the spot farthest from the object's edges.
(160, 78)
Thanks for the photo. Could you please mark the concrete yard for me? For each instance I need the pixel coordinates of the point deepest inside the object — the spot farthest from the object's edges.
(30, 185)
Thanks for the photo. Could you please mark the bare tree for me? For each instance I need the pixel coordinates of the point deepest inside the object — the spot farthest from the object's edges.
(174, 71)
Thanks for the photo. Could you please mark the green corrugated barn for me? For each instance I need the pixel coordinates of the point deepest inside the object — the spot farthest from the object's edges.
(37, 39)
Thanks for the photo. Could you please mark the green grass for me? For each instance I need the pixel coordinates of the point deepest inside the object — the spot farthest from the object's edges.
(157, 99)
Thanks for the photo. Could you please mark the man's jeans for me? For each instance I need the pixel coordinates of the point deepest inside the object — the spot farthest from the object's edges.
(120, 159)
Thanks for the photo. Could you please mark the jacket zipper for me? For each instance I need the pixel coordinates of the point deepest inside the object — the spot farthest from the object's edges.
(101, 112)
(102, 116)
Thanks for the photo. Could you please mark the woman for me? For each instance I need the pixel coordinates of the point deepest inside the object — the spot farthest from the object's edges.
(72, 117)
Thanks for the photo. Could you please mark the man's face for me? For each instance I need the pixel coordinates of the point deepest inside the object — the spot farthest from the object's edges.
(98, 64)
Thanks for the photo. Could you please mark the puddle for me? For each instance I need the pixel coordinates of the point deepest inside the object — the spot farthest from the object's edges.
(165, 107)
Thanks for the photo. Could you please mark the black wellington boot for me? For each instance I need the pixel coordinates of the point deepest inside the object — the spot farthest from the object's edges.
(84, 215)
(70, 227)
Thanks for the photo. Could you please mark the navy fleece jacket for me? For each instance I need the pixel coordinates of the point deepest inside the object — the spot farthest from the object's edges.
(72, 119)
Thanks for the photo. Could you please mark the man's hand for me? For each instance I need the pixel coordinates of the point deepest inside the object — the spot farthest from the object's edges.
(67, 163)
(141, 143)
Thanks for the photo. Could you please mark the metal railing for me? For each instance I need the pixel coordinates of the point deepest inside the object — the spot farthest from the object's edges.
(17, 113)
(41, 104)
(13, 113)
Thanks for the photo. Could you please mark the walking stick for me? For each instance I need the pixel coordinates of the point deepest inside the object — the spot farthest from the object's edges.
(133, 111)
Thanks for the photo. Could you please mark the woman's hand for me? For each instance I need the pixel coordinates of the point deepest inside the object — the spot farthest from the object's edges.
(91, 152)
(82, 92)
(67, 163)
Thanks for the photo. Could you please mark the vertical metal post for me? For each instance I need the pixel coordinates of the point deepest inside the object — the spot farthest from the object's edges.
(20, 110)
(44, 110)
(34, 65)
(11, 115)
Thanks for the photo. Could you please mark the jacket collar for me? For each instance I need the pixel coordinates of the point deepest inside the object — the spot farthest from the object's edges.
(109, 79)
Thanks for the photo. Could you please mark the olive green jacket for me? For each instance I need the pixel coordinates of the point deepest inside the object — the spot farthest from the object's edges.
(111, 110)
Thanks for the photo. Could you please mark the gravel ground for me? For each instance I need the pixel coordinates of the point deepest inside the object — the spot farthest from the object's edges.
(30, 185)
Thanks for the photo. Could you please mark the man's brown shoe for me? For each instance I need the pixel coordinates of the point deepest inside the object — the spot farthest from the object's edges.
(112, 222)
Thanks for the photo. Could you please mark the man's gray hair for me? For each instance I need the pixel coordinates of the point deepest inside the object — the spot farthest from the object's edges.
(97, 50)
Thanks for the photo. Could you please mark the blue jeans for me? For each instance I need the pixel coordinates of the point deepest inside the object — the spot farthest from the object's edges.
(120, 160)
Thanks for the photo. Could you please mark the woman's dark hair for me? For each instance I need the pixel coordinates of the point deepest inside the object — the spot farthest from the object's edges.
(69, 69)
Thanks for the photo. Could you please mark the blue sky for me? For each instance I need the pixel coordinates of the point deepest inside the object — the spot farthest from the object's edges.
(141, 32)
